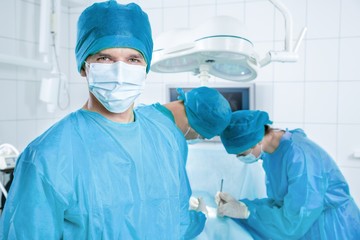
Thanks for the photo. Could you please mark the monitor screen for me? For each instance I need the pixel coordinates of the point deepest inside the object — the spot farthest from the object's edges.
(239, 97)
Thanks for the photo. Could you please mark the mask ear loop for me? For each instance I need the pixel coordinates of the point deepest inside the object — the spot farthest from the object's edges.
(86, 68)
(261, 149)
(187, 131)
(200, 137)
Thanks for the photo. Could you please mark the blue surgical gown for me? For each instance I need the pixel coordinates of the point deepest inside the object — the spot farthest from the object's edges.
(308, 197)
(90, 178)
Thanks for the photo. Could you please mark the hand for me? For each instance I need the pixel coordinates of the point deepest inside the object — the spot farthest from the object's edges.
(230, 207)
(198, 204)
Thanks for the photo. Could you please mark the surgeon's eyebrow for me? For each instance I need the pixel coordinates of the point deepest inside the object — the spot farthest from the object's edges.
(100, 55)
(136, 55)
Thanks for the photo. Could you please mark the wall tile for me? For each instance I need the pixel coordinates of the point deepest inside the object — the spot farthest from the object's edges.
(349, 17)
(27, 99)
(26, 132)
(63, 59)
(260, 28)
(156, 21)
(155, 77)
(74, 75)
(349, 99)
(175, 77)
(200, 14)
(236, 1)
(154, 92)
(348, 142)
(64, 28)
(43, 125)
(145, 4)
(323, 18)
(236, 10)
(264, 97)
(175, 3)
(29, 51)
(8, 99)
(289, 102)
(321, 61)
(79, 94)
(202, 2)
(8, 132)
(176, 18)
(325, 135)
(321, 102)
(27, 21)
(348, 63)
(8, 19)
(72, 31)
(7, 46)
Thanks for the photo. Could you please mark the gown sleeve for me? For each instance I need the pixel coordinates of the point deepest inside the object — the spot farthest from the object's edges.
(35, 211)
(302, 204)
(192, 222)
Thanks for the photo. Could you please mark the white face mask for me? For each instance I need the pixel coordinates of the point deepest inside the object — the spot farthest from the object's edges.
(116, 85)
(250, 157)
(198, 138)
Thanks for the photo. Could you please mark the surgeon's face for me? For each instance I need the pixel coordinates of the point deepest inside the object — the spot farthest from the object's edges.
(111, 55)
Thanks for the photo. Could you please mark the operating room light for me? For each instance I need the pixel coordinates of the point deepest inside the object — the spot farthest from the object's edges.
(219, 47)
(214, 47)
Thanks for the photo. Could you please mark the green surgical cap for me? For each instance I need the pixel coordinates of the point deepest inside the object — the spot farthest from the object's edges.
(208, 112)
(246, 129)
(111, 25)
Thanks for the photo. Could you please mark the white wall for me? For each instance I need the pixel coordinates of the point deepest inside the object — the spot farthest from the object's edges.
(319, 93)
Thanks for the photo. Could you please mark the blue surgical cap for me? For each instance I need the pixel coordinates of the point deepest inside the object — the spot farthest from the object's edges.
(246, 129)
(208, 112)
(111, 25)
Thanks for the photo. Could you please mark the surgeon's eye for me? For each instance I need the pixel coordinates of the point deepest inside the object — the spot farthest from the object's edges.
(104, 59)
(243, 154)
(137, 61)
(134, 60)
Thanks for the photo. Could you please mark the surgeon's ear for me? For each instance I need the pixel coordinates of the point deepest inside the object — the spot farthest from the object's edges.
(82, 72)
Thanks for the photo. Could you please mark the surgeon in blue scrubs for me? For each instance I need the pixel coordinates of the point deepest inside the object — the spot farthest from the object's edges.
(308, 197)
(105, 171)
(199, 114)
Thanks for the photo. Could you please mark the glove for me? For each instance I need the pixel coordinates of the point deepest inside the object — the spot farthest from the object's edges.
(230, 207)
(198, 204)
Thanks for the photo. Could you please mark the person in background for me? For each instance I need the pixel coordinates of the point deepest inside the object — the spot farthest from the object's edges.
(199, 114)
(308, 197)
(105, 171)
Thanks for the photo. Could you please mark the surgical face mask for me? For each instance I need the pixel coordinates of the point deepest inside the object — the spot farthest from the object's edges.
(250, 157)
(197, 139)
(116, 85)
